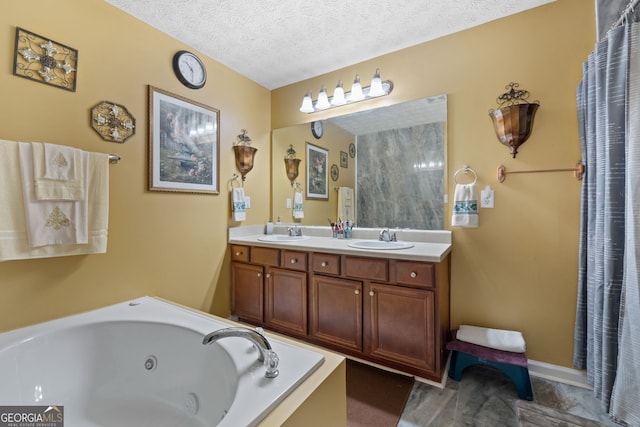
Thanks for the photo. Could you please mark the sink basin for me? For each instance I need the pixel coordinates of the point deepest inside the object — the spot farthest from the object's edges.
(379, 245)
(281, 238)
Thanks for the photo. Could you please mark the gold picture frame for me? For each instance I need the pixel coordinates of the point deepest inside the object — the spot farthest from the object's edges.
(184, 144)
(43, 60)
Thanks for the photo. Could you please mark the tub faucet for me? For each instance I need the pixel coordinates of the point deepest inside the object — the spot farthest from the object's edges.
(386, 236)
(265, 354)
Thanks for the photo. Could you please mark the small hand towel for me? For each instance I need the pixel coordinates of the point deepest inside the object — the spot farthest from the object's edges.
(50, 181)
(465, 206)
(238, 204)
(298, 211)
(499, 339)
(59, 162)
(346, 204)
(51, 222)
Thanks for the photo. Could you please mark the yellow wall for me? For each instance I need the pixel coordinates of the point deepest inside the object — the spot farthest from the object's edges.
(166, 244)
(518, 270)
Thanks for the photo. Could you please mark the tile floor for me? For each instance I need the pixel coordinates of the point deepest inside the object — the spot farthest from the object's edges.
(485, 397)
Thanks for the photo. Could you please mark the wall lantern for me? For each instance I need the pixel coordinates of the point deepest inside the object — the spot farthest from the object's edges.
(244, 153)
(513, 119)
(291, 164)
(357, 93)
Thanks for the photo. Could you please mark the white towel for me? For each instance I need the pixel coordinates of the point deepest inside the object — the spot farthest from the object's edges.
(499, 339)
(298, 210)
(14, 241)
(63, 182)
(239, 204)
(346, 204)
(465, 206)
(51, 222)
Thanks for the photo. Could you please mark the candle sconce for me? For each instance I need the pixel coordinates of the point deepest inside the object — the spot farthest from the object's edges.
(244, 154)
(291, 164)
(513, 119)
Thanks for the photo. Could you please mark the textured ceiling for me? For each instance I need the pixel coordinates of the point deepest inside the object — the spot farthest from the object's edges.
(279, 42)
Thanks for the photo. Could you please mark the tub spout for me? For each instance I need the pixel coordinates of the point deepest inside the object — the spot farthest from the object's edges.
(265, 354)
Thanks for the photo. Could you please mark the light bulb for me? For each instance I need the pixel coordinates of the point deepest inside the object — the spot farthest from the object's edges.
(356, 90)
(338, 95)
(307, 104)
(323, 99)
(376, 85)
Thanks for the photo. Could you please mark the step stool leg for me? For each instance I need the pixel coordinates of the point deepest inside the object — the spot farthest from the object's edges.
(459, 362)
(520, 376)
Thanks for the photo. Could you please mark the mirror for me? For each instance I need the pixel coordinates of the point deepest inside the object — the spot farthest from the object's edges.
(394, 158)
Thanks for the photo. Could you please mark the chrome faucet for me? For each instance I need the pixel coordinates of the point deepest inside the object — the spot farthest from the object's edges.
(386, 236)
(294, 231)
(266, 355)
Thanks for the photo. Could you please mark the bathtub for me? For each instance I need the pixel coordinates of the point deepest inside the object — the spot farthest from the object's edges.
(142, 363)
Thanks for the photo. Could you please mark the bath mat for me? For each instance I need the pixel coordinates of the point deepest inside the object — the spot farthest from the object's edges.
(532, 415)
(375, 398)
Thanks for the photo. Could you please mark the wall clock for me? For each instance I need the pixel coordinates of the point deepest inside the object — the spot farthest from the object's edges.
(317, 129)
(189, 69)
(335, 173)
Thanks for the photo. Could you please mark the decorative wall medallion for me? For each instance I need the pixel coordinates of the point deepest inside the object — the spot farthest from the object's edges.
(43, 60)
(335, 172)
(112, 121)
(352, 150)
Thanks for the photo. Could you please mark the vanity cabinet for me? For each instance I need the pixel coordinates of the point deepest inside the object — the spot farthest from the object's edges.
(391, 312)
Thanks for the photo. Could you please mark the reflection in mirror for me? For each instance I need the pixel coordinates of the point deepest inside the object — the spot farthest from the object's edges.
(398, 172)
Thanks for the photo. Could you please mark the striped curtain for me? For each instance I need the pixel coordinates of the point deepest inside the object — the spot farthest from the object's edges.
(608, 306)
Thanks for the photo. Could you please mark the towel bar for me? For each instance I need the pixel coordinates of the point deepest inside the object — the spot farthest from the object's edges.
(578, 171)
(114, 158)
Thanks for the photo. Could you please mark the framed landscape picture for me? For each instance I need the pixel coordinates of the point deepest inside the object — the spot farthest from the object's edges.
(184, 144)
(317, 172)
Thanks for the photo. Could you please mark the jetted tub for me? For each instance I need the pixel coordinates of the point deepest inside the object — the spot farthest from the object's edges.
(142, 363)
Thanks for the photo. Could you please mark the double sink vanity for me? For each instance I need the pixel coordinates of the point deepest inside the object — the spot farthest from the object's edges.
(383, 302)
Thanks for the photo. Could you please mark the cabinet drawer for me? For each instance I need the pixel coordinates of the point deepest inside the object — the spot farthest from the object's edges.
(326, 263)
(239, 253)
(265, 256)
(418, 274)
(294, 260)
(367, 268)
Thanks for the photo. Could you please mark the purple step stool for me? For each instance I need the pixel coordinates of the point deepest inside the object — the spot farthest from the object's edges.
(514, 365)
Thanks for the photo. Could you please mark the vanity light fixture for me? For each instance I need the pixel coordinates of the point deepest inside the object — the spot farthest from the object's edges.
(513, 119)
(357, 93)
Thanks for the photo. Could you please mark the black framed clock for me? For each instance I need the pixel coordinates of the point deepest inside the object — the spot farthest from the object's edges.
(189, 69)
(317, 129)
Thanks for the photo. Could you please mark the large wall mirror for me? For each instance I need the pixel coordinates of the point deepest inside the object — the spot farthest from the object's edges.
(393, 158)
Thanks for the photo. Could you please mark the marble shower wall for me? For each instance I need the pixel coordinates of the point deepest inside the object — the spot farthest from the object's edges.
(400, 176)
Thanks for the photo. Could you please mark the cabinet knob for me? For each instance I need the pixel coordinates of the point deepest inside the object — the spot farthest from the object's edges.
(267, 275)
(294, 260)
(371, 293)
(238, 253)
(413, 275)
(357, 292)
(259, 274)
(324, 263)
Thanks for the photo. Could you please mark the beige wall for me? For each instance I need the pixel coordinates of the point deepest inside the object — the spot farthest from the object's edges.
(518, 270)
(167, 244)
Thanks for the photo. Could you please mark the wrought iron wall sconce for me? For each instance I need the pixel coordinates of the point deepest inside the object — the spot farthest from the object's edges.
(291, 164)
(513, 119)
(357, 93)
(244, 154)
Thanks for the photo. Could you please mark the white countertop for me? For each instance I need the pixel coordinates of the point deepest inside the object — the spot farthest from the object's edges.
(429, 246)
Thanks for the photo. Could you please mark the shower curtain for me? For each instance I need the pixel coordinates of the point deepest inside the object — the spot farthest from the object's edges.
(608, 307)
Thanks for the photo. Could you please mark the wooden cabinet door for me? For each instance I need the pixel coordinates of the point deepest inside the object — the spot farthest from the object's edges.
(335, 312)
(247, 294)
(286, 301)
(399, 325)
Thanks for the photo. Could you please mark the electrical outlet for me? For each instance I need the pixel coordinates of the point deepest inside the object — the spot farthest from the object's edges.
(288, 203)
(486, 197)
(247, 202)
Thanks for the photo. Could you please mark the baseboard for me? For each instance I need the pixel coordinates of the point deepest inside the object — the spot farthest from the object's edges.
(559, 374)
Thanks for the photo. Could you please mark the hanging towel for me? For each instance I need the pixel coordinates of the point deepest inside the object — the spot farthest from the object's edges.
(298, 211)
(465, 206)
(14, 239)
(346, 204)
(238, 204)
(50, 222)
(59, 172)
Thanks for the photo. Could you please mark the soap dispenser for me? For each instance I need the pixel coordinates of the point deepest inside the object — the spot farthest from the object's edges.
(269, 229)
